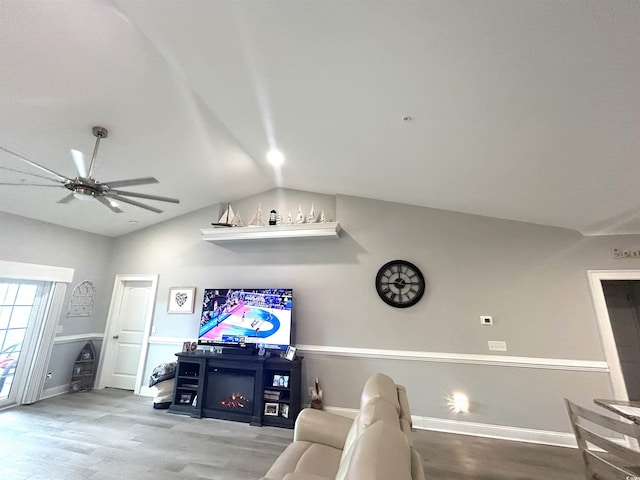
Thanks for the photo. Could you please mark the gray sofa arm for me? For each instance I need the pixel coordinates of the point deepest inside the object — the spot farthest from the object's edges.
(318, 426)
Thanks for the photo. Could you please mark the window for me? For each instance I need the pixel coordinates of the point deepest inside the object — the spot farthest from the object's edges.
(17, 300)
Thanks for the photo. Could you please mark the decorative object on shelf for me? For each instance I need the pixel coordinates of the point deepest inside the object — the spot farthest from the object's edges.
(284, 410)
(82, 298)
(289, 219)
(181, 300)
(322, 217)
(312, 215)
(271, 409)
(272, 217)
(185, 398)
(316, 396)
(281, 381)
(272, 395)
(194, 346)
(257, 221)
(186, 346)
(84, 369)
(400, 283)
(226, 219)
(278, 219)
(300, 215)
(237, 220)
(290, 354)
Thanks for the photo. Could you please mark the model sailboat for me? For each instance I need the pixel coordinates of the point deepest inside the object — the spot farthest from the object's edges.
(229, 219)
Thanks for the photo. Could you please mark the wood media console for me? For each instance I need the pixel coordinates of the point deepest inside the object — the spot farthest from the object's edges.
(244, 388)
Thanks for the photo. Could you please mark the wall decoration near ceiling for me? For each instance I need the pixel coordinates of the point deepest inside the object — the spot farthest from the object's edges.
(82, 298)
(181, 300)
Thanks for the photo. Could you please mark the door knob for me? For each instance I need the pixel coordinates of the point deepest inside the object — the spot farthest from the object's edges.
(115, 337)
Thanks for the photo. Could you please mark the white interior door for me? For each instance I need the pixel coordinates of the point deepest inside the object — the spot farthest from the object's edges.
(125, 343)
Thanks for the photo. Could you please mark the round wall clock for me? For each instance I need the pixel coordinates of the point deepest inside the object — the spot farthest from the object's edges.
(400, 283)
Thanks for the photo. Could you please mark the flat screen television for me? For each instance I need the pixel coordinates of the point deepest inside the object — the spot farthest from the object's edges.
(246, 316)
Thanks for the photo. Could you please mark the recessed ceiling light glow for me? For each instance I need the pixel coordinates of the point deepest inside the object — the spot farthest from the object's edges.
(275, 157)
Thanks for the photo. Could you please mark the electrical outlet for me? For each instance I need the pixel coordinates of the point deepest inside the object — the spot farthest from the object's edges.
(498, 345)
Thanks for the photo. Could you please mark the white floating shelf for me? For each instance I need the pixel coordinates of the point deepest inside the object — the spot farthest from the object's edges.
(302, 230)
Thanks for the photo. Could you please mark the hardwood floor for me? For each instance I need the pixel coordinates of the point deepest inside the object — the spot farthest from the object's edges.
(112, 434)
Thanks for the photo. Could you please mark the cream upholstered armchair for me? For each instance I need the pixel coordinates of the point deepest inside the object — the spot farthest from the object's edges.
(376, 445)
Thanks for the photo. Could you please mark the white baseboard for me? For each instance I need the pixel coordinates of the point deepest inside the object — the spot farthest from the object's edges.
(54, 391)
(146, 391)
(501, 432)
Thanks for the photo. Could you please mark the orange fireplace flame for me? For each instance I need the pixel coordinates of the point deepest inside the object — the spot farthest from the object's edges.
(235, 401)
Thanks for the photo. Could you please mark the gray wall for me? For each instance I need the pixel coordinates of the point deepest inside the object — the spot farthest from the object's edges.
(531, 278)
(31, 241)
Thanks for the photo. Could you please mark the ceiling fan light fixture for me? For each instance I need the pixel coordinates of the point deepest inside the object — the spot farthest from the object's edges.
(82, 194)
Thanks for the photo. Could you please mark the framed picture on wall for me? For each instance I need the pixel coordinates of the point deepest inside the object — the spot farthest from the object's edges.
(181, 300)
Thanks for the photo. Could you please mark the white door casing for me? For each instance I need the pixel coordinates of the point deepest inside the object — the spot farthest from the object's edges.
(126, 340)
(37, 359)
(604, 324)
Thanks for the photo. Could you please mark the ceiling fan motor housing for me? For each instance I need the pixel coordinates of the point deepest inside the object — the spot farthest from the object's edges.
(100, 132)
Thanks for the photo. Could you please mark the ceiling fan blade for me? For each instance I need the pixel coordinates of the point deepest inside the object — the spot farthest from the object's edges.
(78, 160)
(34, 164)
(66, 199)
(131, 182)
(107, 204)
(133, 202)
(21, 184)
(145, 196)
(32, 174)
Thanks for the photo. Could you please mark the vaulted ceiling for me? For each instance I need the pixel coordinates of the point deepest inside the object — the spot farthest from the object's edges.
(525, 110)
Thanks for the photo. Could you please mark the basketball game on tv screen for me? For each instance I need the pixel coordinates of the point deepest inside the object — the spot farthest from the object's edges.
(247, 316)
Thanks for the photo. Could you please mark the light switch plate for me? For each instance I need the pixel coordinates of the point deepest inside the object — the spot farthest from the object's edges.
(498, 345)
(486, 320)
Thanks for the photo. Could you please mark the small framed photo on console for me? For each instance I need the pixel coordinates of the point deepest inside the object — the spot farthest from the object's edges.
(284, 410)
(271, 409)
(185, 398)
(291, 353)
(281, 381)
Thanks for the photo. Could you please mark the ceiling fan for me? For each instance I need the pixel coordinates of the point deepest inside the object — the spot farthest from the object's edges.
(85, 187)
